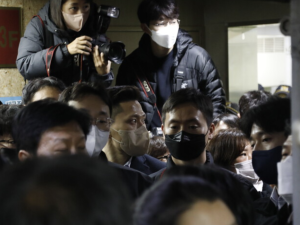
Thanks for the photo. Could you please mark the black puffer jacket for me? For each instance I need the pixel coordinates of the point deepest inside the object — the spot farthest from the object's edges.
(31, 60)
(201, 73)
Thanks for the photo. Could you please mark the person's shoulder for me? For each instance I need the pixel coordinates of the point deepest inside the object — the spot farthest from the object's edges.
(135, 181)
(131, 172)
(132, 57)
(155, 161)
(127, 70)
(35, 23)
(195, 50)
(157, 175)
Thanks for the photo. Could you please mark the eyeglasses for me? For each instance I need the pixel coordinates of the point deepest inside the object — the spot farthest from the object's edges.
(7, 141)
(164, 157)
(103, 123)
(165, 23)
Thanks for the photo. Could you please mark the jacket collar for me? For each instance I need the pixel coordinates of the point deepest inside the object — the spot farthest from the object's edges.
(209, 160)
(138, 163)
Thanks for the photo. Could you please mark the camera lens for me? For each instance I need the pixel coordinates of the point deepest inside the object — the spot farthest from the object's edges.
(115, 51)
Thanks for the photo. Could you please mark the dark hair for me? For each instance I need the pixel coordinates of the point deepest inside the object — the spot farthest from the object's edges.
(63, 190)
(192, 96)
(271, 116)
(157, 147)
(226, 146)
(57, 17)
(152, 9)
(37, 117)
(81, 90)
(251, 99)
(235, 192)
(229, 119)
(7, 113)
(167, 199)
(119, 94)
(37, 84)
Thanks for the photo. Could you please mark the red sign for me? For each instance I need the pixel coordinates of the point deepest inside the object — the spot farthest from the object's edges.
(10, 32)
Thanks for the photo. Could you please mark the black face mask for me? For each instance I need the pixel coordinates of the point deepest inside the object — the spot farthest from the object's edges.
(265, 164)
(185, 146)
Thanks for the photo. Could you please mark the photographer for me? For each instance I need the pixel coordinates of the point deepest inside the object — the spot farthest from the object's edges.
(57, 42)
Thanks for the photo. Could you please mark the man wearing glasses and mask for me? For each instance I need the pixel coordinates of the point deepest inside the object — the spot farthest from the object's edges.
(166, 61)
(94, 99)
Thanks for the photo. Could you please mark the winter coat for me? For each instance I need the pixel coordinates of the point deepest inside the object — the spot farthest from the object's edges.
(32, 53)
(201, 73)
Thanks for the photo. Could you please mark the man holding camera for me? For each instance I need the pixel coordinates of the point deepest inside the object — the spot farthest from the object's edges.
(166, 61)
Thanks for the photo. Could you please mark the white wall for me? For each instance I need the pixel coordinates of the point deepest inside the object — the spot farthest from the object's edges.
(219, 13)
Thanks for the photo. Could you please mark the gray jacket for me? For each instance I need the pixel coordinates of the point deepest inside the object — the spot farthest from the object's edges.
(32, 53)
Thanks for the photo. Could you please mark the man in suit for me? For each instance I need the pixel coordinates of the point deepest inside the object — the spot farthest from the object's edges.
(51, 129)
(186, 116)
(94, 99)
(129, 139)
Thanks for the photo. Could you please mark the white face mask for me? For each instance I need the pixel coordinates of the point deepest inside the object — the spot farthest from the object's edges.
(134, 142)
(166, 36)
(285, 179)
(95, 141)
(75, 22)
(246, 170)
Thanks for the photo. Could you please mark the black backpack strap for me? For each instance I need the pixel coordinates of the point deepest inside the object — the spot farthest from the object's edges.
(180, 71)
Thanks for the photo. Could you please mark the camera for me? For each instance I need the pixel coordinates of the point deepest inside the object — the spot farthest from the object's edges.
(113, 51)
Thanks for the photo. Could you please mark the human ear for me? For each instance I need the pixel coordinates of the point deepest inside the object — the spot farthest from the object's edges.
(211, 131)
(23, 155)
(239, 115)
(145, 29)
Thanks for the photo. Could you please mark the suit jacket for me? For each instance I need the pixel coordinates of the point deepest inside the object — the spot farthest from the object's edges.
(135, 181)
(147, 164)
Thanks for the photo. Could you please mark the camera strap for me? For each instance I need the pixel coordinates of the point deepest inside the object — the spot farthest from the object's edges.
(145, 85)
(148, 91)
(48, 43)
(48, 36)
(49, 56)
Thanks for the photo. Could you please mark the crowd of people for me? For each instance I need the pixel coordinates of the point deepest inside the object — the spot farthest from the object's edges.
(223, 170)
(158, 148)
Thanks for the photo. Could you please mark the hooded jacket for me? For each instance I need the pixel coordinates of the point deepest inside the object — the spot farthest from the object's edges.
(200, 73)
(33, 52)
